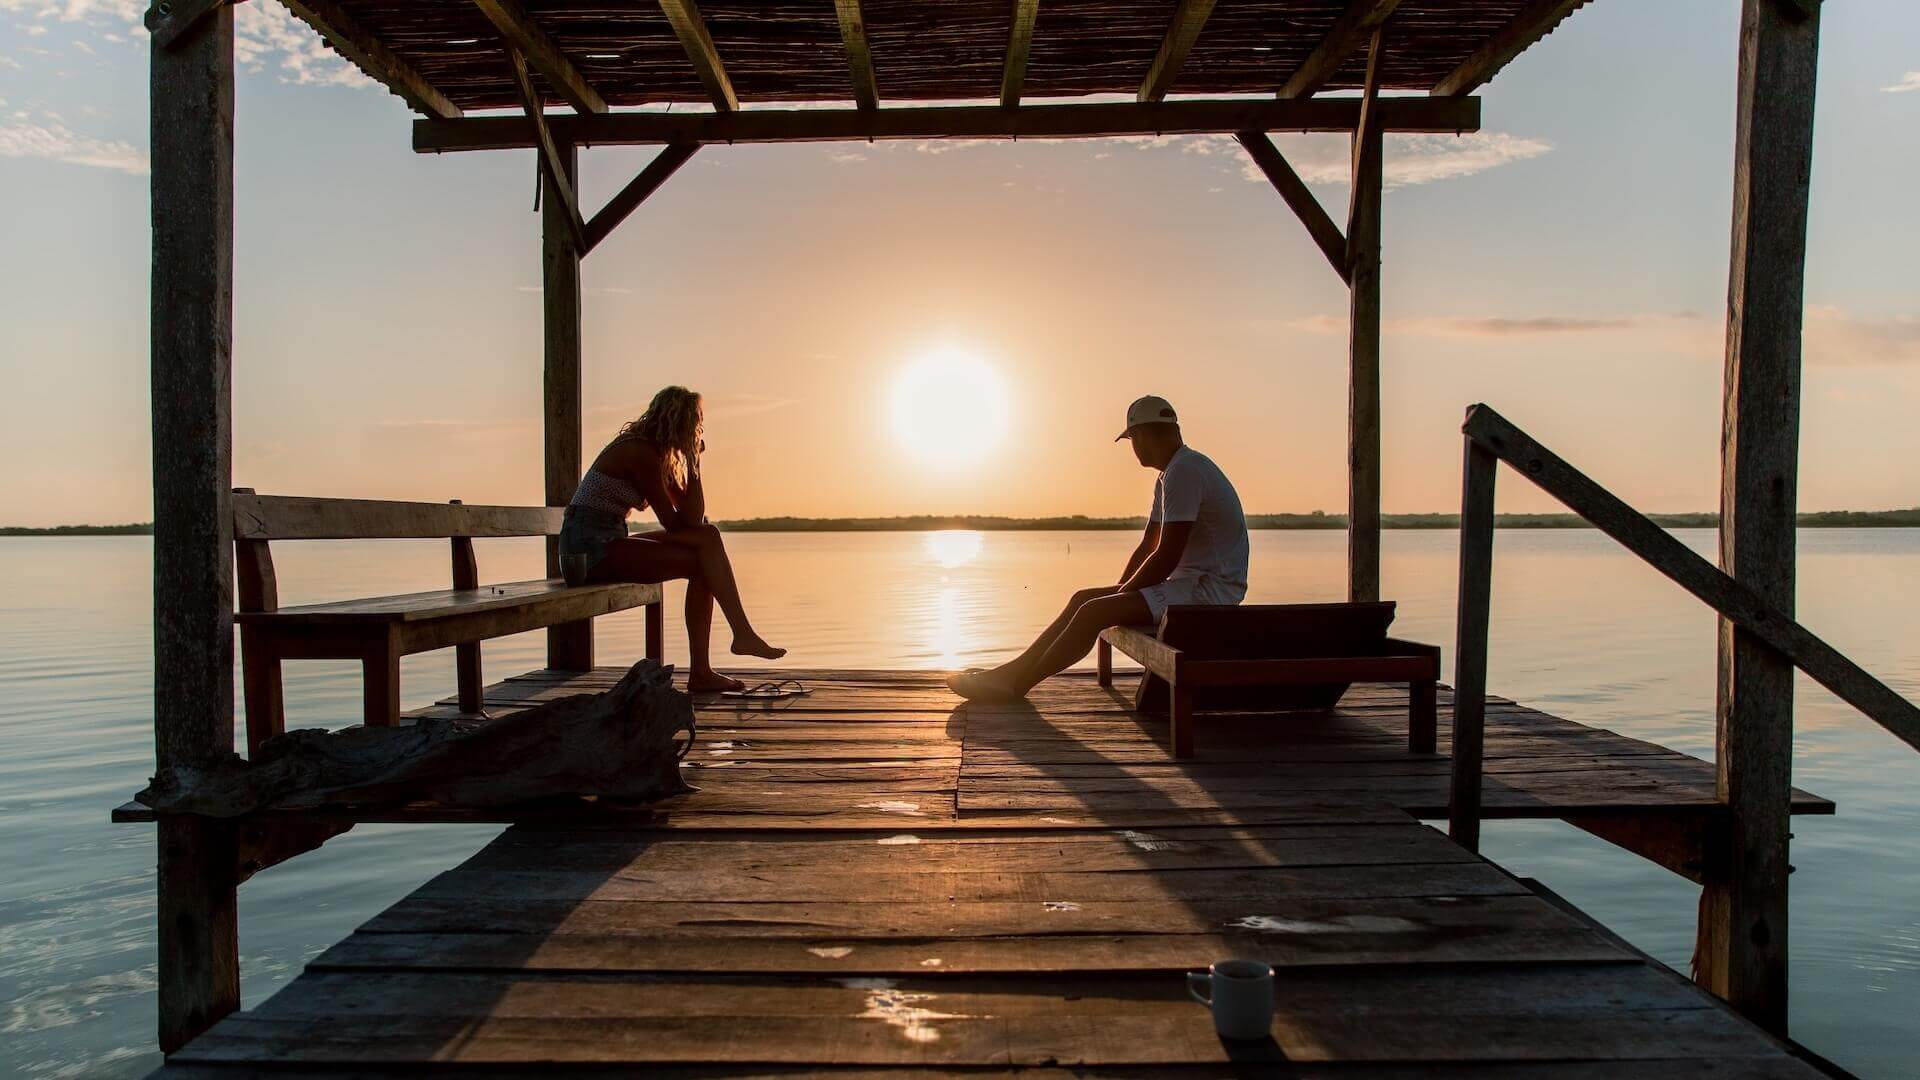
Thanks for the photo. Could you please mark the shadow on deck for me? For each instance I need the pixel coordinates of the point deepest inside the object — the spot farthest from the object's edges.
(877, 877)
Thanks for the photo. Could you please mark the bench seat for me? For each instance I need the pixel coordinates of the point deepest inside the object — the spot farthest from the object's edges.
(1269, 657)
(379, 630)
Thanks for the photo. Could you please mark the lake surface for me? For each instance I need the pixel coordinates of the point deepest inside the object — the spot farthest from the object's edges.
(1580, 629)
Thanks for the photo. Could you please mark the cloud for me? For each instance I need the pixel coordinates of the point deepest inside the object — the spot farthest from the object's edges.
(265, 35)
(1492, 327)
(1834, 337)
(1908, 82)
(1831, 336)
(52, 139)
(1411, 159)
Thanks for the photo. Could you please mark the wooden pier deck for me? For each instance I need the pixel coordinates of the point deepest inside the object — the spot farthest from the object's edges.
(879, 880)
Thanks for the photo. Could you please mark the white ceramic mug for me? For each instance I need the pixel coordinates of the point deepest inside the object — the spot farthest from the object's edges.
(1240, 993)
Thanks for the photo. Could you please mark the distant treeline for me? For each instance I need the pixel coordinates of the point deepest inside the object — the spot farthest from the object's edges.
(140, 528)
(1317, 520)
(1826, 519)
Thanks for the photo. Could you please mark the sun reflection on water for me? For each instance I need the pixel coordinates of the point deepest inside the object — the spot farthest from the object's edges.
(953, 547)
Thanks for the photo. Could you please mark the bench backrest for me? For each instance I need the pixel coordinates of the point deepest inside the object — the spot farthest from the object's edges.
(294, 517)
(258, 519)
(1276, 631)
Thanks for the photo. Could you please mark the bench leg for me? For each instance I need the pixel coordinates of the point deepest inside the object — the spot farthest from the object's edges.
(1422, 717)
(260, 688)
(466, 670)
(381, 674)
(1103, 662)
(657, 631)
(1180, 717)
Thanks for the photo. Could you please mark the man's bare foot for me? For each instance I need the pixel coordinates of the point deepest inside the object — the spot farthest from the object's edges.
(706, 681)
(754, 645)
(982, 686)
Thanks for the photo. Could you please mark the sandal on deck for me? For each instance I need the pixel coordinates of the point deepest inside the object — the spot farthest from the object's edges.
(771, 690)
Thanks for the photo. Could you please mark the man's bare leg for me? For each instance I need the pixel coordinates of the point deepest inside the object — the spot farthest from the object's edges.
(1035, 651)
(1056, 651)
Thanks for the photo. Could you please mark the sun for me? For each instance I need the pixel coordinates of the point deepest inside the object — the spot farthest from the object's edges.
(949, 407)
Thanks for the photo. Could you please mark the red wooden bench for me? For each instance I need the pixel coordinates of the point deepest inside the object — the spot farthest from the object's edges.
(379, 630)
(1271, 656)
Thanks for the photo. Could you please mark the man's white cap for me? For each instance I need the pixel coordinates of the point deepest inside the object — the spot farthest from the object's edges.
(1148, 410)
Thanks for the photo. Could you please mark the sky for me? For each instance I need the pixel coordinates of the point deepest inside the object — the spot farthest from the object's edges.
(1567, 266)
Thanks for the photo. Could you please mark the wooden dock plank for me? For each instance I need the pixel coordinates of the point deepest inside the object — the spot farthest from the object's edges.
(880, 882)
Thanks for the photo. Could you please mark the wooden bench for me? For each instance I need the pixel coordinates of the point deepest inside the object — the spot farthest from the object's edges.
(379, 630)
(1264, 657)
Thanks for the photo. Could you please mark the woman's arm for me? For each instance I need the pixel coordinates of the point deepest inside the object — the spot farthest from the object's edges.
(692, 502)
(650, 477)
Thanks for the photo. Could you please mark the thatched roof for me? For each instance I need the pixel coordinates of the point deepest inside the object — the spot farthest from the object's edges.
(632, 53)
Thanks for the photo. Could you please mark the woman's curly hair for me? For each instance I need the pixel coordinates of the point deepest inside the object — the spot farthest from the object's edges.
(673, 422)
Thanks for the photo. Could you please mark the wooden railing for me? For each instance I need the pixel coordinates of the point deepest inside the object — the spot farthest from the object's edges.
(1491, 439)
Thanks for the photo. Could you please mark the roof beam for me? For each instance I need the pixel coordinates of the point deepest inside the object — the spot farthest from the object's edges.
(1188, 19)
(1013, 77)
(1105, 119)
(692, 29)
(550, 161)
(1307, 208)
(519, 29)
(1532, 24)
(630, 197)
(366, 52)
(1353, 29)
(853, 31)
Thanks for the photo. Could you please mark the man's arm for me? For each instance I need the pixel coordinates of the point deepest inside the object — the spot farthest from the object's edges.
(1148, 541)
(1165, 557)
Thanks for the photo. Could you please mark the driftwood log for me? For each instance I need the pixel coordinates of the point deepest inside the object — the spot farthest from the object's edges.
(623, 745)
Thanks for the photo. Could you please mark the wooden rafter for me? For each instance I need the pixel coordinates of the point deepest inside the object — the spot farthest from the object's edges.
(1104, 119)
(630, 197)
(549, 149)
(1013, 77)
(1350, 32)
(350, 40)
(546, 57)
(1332, 243)
(1188, 19)
(1536, 22)
(692, 29)
(1366, 140)
(853, 31)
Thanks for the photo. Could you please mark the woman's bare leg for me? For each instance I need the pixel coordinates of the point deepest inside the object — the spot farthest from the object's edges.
(699, 617)
(698, 555)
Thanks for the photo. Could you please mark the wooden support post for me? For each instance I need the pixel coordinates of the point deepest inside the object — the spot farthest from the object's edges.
(1363, 349)
(1103, 662)
(1470, 643)
(191, 96)
(466, 657)
(569, 645)
(1743, 925)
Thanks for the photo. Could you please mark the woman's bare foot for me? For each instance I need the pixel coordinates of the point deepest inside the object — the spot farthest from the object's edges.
(710, 680)
(754, 645)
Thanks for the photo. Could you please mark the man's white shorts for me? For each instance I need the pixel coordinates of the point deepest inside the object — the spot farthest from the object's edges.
(1198, 589)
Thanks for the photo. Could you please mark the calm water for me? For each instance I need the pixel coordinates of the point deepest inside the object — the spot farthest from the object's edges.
(1579, 629)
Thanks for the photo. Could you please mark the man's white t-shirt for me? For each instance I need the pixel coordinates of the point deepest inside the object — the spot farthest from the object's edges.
(1192, 488)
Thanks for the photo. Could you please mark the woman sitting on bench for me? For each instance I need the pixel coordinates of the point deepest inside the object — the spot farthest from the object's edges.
(655, 462)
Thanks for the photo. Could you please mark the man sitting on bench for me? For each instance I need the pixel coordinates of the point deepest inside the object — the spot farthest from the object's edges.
(1194, 552)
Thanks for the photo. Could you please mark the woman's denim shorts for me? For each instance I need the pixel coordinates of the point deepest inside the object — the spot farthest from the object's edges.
(588, 532)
